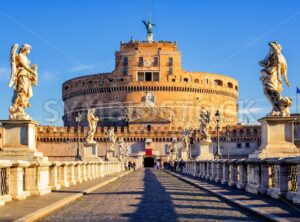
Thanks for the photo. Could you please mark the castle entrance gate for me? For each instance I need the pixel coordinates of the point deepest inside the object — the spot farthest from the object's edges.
(149, 161)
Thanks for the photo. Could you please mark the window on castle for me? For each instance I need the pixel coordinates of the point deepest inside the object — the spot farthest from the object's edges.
(218, 82)
(170, 71)
(141, 76)
(125, 61)
(148, 76)
(156, 76)
(125, 71)
(170, 61)
(234, 133)
(141, 61)
(230, 85)
(148, 128)
(239, 145)
(247, 145)
(186, 79)
(155, 63)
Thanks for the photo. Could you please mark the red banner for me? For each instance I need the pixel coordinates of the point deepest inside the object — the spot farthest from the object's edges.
(148, 152)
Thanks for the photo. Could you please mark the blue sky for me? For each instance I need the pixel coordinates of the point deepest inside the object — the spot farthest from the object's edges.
(74, 38)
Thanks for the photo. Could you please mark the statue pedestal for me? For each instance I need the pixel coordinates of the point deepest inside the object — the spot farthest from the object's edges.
(90, 152)
(184, 155)
(19, 141)
(206, 151)
(111, 155)
(277, 138)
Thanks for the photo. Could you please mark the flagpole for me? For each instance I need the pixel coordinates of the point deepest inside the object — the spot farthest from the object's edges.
(297, 104)
(297, 108)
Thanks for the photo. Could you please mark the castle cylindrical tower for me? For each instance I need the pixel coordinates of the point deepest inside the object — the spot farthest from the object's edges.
(148, 86)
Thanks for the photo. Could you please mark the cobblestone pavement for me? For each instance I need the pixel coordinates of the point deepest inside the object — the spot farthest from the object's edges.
(149, 195)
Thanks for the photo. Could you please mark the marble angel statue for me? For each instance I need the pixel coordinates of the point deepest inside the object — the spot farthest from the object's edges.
(185, 139)
(204, 123)
(92, 121)
(23, 77)
(123, 147)
(111, 139)
(274, 67)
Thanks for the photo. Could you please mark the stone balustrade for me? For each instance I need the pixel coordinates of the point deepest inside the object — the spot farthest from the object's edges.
(20, 179)
(278, 178)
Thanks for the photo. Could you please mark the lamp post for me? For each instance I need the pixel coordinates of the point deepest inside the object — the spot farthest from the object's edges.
(218, 117)
(228, 141)
(78, 120)
(191, 143)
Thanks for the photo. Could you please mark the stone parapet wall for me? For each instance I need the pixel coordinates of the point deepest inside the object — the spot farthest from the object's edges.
(20, 179)
(139, 133)
(278, 178)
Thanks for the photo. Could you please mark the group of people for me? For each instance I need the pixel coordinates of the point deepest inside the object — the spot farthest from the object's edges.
(131, 165)
(175, 165)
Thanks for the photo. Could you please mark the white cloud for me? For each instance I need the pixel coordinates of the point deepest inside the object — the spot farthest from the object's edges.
(49, 75)
(252, 114)
(81, 68)
(4, 74)
(256, 110)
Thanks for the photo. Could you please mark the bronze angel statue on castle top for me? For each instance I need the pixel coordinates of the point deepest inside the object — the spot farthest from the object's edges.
(23, 77)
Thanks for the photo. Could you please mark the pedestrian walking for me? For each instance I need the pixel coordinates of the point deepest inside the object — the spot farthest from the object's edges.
(129, 165)
(133, 166)
(157, 165)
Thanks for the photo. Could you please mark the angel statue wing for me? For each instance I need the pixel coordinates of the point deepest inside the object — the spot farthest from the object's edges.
(13, 54)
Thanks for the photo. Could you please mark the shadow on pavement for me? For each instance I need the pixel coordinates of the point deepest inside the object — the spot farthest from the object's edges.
(156, 203)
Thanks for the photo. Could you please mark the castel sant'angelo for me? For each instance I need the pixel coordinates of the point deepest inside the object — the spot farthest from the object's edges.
(149, 88)
(149, 101)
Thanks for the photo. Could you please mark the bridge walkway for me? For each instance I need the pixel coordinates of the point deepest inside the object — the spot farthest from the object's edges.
(150, 195)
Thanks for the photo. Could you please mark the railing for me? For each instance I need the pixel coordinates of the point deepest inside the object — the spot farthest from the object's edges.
(275, 177)
(20, 179)
(3, 181)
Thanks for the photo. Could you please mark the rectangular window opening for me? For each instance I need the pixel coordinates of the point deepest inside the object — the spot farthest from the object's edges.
(156, 76)
(125, 71)
(170, 61)
(125, 61)
(141, 76)
(155, 63)
(141, 61)
(148, 76)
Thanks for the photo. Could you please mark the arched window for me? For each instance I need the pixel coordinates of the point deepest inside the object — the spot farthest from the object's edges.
(148, 128)
(196, 81)
(218, 82)
(230, 85)
(185, 79)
